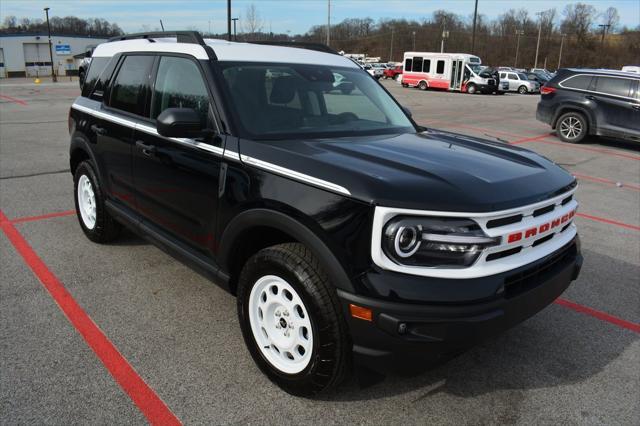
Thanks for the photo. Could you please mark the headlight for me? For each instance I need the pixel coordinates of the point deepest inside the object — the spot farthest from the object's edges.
(433, 242)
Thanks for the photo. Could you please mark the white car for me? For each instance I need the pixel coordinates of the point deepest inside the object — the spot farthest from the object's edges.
(376, 72)
(631, 68)
(518, 82)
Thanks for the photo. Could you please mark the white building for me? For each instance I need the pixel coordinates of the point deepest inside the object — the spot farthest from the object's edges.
(27, 55)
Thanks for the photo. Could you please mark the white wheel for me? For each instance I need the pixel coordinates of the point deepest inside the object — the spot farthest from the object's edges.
(86, 202)
(280, 324)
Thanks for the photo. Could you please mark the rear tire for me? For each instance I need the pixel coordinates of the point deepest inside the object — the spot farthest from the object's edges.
(523, 90)
(96, 223)
(286, 302)
(572, 127)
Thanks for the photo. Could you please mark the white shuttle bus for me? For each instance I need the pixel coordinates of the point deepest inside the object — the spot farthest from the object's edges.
(447, 71)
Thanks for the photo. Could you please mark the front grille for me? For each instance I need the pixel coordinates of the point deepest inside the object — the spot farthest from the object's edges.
(529, 278)
(491, 82)
(495, 223)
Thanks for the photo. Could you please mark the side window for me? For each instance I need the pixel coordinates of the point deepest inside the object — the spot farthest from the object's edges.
(96, 67)
(503, 75)
(440, 67)
(179, 84)
(614, 86)
(512, 76)
(407, 64)
(417, 64)
(129, 90)
(580, 82)
(426, 65)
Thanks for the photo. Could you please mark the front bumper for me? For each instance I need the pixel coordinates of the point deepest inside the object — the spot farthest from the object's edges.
(403, 336)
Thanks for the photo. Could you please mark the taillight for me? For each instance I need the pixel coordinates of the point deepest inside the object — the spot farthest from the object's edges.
(547, 90)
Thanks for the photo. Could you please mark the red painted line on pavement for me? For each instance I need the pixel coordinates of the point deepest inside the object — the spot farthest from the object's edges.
(606, 181)
(585, 148)
(602, 316)
(42, 217)
(149, 403)
(14, 100)
(533, 139)
(609, 221)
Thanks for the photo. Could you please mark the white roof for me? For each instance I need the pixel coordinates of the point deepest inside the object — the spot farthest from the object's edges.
(225, 51)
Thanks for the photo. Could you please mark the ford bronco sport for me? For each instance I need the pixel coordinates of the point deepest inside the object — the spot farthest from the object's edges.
(295, 181)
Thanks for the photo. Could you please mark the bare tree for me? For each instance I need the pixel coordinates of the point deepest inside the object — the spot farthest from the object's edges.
(611, 18)
(578, 20)
(252, 22)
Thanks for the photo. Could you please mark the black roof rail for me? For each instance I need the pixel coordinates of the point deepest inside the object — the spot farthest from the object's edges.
(193, 37)
(299, 44)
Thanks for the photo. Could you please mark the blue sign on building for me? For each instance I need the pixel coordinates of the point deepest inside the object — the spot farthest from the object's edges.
(63, 49)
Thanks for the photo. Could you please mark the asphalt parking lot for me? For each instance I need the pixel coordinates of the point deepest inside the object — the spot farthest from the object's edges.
(124, 333)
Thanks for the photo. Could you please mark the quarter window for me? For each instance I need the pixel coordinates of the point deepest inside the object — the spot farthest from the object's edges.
(580, 82)
(440, 67)
(179, 84)
(614, 86)
(131, 85)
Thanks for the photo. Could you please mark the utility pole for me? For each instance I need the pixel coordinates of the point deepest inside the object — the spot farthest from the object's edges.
(560, 55)
(161, 25)
(445, 34)
(328, 22)
(53, 73)
(605, 28)
(414, 41)
(539, 33)
(209, 27)
(235, 35)
(391, 47)
(473, 34)
(229, 20)
(518, 34)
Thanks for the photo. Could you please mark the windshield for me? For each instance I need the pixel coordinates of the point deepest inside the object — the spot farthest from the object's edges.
(283, 101)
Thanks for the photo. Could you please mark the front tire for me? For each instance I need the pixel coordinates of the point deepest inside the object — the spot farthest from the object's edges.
(572, 127)
(472, 89)
(523, 90)
(291, 320)
(96, 223)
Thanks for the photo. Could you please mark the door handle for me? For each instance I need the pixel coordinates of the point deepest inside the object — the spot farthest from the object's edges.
(98, 130)
(147, 150)
(590, 97)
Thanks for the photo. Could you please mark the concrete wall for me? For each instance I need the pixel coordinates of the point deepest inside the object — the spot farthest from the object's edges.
(13, 50)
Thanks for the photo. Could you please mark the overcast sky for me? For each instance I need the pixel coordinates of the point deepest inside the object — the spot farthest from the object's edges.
(283, 15)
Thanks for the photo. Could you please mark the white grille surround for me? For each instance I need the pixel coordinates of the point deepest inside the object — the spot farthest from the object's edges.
(560, 234)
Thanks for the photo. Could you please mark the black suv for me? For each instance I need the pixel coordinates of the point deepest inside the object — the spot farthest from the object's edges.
(581, 102)
(292, 179)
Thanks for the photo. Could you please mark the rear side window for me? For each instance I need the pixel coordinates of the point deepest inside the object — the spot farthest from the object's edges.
(179, 84)
(614, 86)
(426, 65)
(129, 90)
(440, 67)
(513, 76)
(407, 64)
(580, 82)
(417, 64)
(96, 67)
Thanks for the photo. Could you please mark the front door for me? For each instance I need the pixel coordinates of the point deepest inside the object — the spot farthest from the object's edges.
(176, 180)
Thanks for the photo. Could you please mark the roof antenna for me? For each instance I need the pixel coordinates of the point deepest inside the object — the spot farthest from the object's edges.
(161, 26)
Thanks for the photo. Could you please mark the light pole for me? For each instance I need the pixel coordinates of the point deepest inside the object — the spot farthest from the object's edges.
(53, 73)
(538, 43)
(235, 35)
(391, 47)
(328, 22)
(229, 20)
(473, 34)
(560, 55)
(445, 34)
(518, 34)
(414, 41)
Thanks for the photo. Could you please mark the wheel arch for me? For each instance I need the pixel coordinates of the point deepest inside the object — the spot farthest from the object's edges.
(273, 227)
(80, 151)
(574, 108)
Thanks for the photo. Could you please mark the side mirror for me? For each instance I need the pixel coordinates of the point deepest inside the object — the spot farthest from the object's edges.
(407, 111)
(179, 123)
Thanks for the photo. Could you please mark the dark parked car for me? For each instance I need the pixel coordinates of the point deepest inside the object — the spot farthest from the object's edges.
(346, 231)
(539, 77)
(581, 102)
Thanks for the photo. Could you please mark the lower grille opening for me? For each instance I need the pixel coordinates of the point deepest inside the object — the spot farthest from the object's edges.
(504, 253)
(543, 240)
(529, 278)
(564, 228)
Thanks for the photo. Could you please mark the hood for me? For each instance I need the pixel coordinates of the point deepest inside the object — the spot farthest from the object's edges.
(432, 170)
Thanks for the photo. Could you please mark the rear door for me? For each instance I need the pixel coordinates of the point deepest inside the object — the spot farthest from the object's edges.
(176, 180)
(616, 102)
(513, 80)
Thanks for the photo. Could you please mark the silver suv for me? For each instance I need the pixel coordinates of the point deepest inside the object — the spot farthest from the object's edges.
(518, 82)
